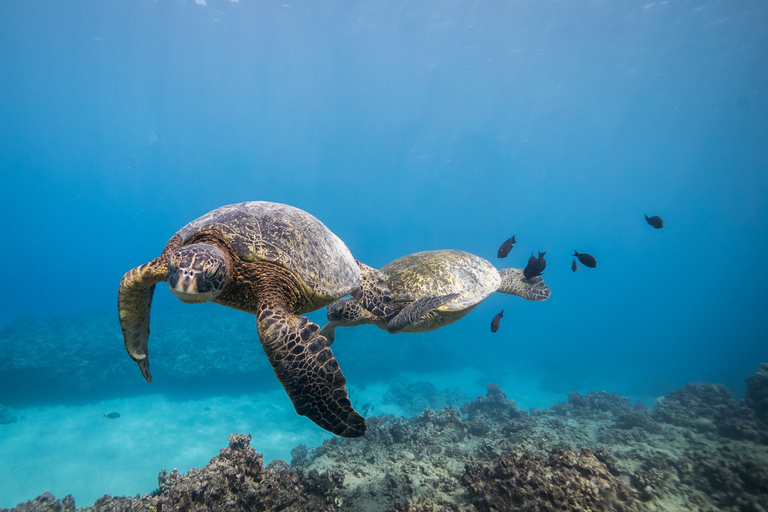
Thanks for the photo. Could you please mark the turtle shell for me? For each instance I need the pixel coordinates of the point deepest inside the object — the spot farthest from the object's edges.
(287, 236)
(435, 273)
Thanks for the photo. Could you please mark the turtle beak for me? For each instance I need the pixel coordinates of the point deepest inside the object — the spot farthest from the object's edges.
(185, 285)
(184, 282)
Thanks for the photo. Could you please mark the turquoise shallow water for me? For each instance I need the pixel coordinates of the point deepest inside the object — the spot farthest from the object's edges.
(403, 128)
(68, 449)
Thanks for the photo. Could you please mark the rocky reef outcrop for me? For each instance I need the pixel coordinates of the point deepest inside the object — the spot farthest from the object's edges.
(697, 449)
(417, 396)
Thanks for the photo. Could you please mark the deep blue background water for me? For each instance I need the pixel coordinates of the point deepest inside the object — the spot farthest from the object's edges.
(408, 126)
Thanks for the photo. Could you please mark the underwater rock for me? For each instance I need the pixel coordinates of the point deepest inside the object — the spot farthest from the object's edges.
(494, 406)
(234, 480)
(686, 408)
(66, 358)
(413, 398)
(561, 480)
(637, 419)
(756, 397)
(6, 417)
(46, 502)
(596, 452)
(594, 403)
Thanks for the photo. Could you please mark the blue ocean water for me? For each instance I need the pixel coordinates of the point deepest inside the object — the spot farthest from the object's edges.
(404, 127)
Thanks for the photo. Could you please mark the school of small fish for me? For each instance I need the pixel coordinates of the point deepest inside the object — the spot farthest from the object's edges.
(536, 265)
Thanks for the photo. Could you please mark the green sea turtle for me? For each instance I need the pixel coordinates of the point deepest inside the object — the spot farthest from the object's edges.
(277, 262)
(432, 289)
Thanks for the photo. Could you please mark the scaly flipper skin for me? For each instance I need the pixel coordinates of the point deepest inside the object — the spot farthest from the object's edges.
(329, 333)
(373, 293)
(417, 309)
(306, 368)
(514, 283)
(134, 301)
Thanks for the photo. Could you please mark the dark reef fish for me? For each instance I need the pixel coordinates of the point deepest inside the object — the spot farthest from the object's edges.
(586, 259)
(506, 247)
(573, 266)
(655, 221)
(496, 320)
(112, 415)
(535, 266)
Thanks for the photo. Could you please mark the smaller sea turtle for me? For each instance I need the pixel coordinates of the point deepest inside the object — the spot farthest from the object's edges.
(277, 262)
(432, 289)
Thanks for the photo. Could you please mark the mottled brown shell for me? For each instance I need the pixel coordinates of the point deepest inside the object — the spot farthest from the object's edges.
(437, 273)
(281, 234)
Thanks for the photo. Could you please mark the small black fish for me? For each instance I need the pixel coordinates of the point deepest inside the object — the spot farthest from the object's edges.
(655, 221)
(496, 320)
(112, 415)
(573, 266)
(506, 247)
(587, 259)
(535, 266)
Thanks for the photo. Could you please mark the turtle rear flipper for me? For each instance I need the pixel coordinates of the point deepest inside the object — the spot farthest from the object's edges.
(134, 301)
(373, 292)
(329, 333)
(513, 282)
(417, 309)
(306, 368)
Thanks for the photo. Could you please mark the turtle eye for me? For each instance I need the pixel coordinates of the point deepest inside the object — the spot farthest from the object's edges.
(212, 269)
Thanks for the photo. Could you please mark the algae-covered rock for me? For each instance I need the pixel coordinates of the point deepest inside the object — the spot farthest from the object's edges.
(560, 480)
(494, 406)
(757, 392)
(713, 402)
(47, 502)
(595, 452)
(413, 398)
(595, 403)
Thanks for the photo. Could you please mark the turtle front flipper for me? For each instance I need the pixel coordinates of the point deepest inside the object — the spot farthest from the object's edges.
(373, 292)
(513, 282)
(414, 311)
(306, 368)
(134, 301)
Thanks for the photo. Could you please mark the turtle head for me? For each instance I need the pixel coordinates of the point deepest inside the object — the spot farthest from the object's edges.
(348, 312)
(197, 273)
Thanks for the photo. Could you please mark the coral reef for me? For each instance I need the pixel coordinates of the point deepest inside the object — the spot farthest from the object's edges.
(757, 399)
(415, 397)
(560, 480)
(703, 406)
(61, 358)
(696, 450)
(494, 406)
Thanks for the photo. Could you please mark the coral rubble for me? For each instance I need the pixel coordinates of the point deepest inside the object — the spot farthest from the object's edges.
(697, 449)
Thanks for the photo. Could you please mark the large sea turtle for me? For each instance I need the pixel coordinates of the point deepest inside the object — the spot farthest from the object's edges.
(432, 289)
(277, 262)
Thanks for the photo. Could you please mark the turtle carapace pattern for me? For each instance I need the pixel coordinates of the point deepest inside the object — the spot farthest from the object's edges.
(432, 289)
(277, 262)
